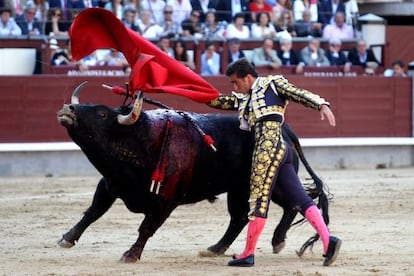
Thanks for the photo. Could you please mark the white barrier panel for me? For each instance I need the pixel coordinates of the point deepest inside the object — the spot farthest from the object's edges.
(17, 61)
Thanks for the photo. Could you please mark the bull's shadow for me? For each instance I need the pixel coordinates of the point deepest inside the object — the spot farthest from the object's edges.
(127, 145)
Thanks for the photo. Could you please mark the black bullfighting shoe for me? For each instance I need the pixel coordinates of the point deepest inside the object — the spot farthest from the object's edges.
(244, 262)
(333, 250)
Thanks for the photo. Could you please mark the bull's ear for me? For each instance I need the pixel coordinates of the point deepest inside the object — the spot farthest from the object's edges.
(133, 116)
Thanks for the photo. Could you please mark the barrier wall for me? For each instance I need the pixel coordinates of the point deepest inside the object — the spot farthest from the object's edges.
(364, 106)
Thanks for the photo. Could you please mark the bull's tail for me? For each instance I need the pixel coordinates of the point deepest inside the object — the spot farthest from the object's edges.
(320, 189)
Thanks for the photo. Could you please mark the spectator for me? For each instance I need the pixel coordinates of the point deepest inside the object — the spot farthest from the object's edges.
(227, 10)
(192, 26)
(129, 19)
(234, 50)
(212, 28)
(210, 61)
(238, 29)
(170, 28)
(351, 12)
(285, 24)
(165, 45)
(157, 9)
(338, 29)
(55, 24)
(257, 6)
(81, 4)
(115, 6)
(62, 6)
(263, 27)
(397, 70)
(181, 9)
(313, 54)
(299, 6)
(286, 53)
(336, 56)
(58, 55)
(181, 54)
(16, 7)
(114, 58)
(27, 22)
(362, 56)
(266, 55)
(7, 25)
(306, 27)
(149, 28)
(326, 10)
(281, 6)
(42, 6)
(203, 7)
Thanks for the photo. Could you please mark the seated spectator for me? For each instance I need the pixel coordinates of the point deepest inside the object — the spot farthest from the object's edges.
(226, 10)
(335, 54)
(362, 56)
(182, 10)
(210, 61)
(156, 7)
(55, 25)
(285, 24)
(280, 7)
(7, 24)
(181, 54)
(266, 55)
(234, 50)
(338, 29)
(397, 70)
(58, 55)
(306, 27)
(149, 28)
(286, 53)
(27, 22)
(115, 6)
(42, 6)
(237, 28)
(313, 54)
(204, 7)
(165, 45)
(327, 9)
(114, 58)
(263, 27)
(192, 26)
(257, 6)
(170, 28)
(129, 20)
(212, 28)
(299, 6)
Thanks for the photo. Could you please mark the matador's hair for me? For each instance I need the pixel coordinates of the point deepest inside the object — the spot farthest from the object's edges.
(241, 67)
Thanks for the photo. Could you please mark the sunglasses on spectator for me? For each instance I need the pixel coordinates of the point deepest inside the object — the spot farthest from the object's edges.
(168, 12)
(195, 15)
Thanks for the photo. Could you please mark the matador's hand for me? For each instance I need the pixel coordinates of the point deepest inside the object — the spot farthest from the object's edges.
(326, 112)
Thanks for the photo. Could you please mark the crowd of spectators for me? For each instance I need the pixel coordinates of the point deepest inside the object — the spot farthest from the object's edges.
(167, 21)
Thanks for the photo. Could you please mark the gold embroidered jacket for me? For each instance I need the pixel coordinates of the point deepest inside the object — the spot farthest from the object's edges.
(269, 95)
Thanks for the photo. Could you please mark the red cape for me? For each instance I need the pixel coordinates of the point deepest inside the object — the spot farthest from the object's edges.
(152, 69)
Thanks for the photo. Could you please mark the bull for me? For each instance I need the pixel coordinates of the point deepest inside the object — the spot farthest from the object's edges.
(126, 144)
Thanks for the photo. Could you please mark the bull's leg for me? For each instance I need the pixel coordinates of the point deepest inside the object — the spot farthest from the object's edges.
(279, 235)
(238, 208)
(102, 201)
(159, 212)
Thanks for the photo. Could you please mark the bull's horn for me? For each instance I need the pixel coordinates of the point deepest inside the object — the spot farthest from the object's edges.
(133, 116)
(75, 94)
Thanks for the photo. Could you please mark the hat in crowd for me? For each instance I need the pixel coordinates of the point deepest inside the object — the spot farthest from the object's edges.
(53, 44)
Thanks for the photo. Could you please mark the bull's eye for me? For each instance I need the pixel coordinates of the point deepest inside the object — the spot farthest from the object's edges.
(102, 114)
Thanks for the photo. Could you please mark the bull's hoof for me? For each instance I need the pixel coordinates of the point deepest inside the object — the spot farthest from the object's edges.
(128, 258)
(278, 247)
(65, 244)
(208, 253)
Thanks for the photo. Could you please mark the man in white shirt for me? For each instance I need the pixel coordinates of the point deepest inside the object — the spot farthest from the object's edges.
(7, 24)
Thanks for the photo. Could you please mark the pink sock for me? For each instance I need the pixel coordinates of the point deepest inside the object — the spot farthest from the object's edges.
(254, 230)
(314, 217)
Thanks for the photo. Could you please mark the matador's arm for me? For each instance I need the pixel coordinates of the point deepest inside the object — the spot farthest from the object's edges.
(225, 102)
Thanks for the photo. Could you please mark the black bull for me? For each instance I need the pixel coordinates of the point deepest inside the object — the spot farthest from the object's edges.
(126, 154)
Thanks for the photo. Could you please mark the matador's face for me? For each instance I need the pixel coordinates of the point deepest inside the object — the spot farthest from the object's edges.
(241, 85)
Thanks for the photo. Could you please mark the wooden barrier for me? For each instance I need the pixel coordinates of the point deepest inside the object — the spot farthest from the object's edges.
(364, 106)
